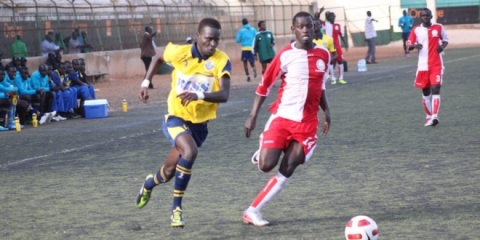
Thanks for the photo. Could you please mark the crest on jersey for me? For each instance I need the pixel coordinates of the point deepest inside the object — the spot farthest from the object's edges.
(434, 33)
(325, 45)
(320, 65)
(209, 65)
(268, 35)
(336, 27)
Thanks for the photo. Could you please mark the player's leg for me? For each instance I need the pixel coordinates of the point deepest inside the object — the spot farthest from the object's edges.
(436, 80)
(422, 82)
(264, 67)
(251, 59)
(244, 59)
(272, 142)
(341, 68)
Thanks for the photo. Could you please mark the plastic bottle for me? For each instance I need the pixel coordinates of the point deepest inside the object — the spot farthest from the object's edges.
(362, 65)
(34, 120)
(125, 105)
(17, 125)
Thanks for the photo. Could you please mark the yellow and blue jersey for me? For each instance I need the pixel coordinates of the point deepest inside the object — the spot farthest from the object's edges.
(194, 73)
(326, 42)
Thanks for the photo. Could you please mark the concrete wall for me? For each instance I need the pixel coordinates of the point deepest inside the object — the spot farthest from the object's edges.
(127, 63)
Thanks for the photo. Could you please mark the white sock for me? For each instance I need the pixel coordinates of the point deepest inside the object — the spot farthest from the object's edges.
(340, 69)
(274, 186)
(435, 105)
(427, 105)
(332, 72)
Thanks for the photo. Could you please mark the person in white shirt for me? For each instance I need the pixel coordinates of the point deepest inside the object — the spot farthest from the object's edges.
(48, 46)
(370, 35)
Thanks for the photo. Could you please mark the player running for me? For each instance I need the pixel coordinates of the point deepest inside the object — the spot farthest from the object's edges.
(292, 127)
(200, 81)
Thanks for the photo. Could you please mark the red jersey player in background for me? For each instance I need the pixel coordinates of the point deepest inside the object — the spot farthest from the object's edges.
(430, 39)
(292, 127)
(335, 31)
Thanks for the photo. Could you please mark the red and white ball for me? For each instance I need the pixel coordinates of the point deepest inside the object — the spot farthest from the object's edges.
(361, 228)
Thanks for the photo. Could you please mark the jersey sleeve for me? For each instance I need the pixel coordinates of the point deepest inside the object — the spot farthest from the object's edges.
(226, 69)
(443, 34)
(412, 39)
(272, 73)
(330, 46)
(171, 52)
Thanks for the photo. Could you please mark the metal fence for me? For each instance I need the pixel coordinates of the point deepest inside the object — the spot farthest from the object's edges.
(120, 24)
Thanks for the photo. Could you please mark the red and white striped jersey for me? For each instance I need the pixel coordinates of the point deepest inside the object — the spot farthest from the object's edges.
(301, 73)
(335, 31)
(430, 38)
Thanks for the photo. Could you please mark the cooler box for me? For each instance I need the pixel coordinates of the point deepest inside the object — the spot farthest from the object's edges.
(96, 108)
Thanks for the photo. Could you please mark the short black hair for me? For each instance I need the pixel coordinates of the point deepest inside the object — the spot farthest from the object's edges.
(210, 22)
(244, 21)
(427, 10)
(300, 14)
(260, 23)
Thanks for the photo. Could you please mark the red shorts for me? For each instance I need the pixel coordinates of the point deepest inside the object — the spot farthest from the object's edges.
(425, 79)
(338, 48)
(279, 132)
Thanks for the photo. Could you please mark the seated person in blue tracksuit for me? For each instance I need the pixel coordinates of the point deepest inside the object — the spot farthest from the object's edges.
(74, 82)
(66, 97)
(4, 102)
(27, 93)
(83, 77)
(7, 86)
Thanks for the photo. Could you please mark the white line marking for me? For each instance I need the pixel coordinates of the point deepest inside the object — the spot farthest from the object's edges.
(223, 115)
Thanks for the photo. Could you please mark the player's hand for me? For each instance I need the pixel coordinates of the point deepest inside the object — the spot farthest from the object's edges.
(326, 123)
(250, 125)
(187, 97)
(439, 49)
(418, 46)
(143, 94)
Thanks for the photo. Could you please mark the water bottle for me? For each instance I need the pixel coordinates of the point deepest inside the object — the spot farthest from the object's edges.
(34, 120)
(124, 105)
(362, 65)
(17, 125)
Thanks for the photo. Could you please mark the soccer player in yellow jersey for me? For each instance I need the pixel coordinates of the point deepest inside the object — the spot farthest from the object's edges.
(323, 40)
(200, 81)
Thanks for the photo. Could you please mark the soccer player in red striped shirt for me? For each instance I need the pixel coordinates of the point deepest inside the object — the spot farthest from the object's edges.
(430, 39)
(292, 127)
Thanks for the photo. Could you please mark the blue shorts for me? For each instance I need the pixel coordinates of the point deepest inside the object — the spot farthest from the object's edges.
(405, 35)
(174, 126)
(247, 56)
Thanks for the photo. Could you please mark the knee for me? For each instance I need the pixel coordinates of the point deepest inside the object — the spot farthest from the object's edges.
(265, 165)
(436, 89)
(190, 154)
(426, 91)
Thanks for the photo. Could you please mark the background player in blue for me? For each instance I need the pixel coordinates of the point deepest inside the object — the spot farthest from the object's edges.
(200, 81)
(246, 37)
(406, 23)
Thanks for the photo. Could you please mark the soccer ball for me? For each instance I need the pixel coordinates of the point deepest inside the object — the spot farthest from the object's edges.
(361, 228)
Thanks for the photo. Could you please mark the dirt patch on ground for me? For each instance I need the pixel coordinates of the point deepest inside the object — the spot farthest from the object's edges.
(118, 88)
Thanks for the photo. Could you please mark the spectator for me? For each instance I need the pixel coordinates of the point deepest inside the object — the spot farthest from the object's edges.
(59, 42)
(74, 45)
(23, 62)
(64, 97)
(48, 46)
(370, 35)
(406, 23)
(51, 61)
(147, 48)
(18, 48)
(245, 37)
(87, 47)
(74, 82)
(263, 45)
(82, 75)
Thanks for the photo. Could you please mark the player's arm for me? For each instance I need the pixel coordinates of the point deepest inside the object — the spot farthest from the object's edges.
(412, 42)
(157, 62)
(326, 112)
(444, 38)
(219, 96)
(251, 122)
